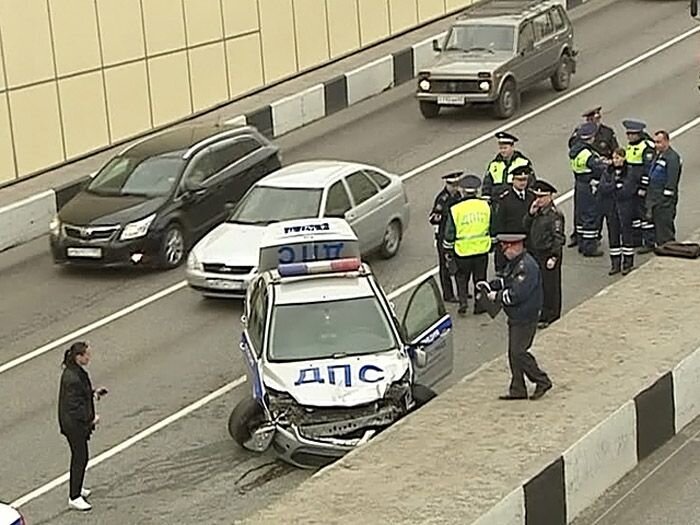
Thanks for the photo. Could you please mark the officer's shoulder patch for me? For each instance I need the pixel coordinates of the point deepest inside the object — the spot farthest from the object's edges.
(503, 194)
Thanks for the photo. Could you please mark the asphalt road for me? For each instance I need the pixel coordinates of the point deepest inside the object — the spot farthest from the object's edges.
(662, 490)
(178, 349)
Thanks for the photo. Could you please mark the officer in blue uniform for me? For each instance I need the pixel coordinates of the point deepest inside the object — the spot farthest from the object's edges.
(639, 154)
(448, 196)
(664, 178)
(521, 294)
(587, 166)
(617, 194)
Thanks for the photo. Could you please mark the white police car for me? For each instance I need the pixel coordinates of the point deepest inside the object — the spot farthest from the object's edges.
(330, 363)
(10, 516)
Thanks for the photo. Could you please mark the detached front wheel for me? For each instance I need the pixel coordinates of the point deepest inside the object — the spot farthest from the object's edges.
(246, 425)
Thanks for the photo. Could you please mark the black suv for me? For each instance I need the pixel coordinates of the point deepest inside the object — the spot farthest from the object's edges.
(150, 203)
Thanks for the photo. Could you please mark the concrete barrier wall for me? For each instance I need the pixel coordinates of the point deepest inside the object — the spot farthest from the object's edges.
(626, 370)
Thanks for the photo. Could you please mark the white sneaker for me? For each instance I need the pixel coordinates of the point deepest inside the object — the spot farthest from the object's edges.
(85, 492)
(79, 504)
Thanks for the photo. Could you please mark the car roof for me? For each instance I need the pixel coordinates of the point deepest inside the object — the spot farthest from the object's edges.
(181, 139)
(310, 174)
(502, 11)
(321, 288)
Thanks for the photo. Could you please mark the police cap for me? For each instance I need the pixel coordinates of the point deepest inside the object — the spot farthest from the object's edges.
(542, 187)
(452, 178)
(470, 183)
(506, 138)
(633, 126)
(522, 171)
(591, 112)
(510, 237)
(587, 130)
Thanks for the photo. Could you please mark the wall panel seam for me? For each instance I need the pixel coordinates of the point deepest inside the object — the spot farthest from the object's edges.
(147, 65)
(260, 40)
(6, 92)
(296, 40)
(55, 79)
(102, 69)
(188, 56)
(227, 69)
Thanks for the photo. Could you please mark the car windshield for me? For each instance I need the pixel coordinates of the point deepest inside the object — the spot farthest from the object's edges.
(481, 38)
(150, 177)
(265, 205)
(329, 329)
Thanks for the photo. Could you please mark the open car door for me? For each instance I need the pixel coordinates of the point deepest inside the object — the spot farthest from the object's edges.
(427, 327)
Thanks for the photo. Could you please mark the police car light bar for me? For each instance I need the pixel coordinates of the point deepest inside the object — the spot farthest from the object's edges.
(338, 265)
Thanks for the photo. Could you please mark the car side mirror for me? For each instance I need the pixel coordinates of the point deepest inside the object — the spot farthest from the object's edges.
(436, 45)
(694, 8)
(230, 206)
(421, 357)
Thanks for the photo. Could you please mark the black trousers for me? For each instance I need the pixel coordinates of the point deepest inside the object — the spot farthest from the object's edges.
(664, 216)
(620, 217)
(78, 462)
(475, 268)
(522, 362)
(551, 284)
(448, 291)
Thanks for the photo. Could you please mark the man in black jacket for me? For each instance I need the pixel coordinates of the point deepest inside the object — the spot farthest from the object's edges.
(77, 418)
(520, 293)
(546, 238)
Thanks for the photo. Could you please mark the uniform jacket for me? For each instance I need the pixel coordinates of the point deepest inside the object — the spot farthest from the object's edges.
(489, 188)
(76, 406)
(510, 212)
(546, 236)
(520, 291)
(664, 176)
(641, 171)
(594, 163)
(618, 186)
(441, 210)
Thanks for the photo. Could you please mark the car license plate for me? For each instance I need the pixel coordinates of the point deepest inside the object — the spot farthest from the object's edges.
(89, 253)
(451, 100)
(226, 284)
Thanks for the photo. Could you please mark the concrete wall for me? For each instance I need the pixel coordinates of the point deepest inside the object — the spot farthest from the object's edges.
(79, 75)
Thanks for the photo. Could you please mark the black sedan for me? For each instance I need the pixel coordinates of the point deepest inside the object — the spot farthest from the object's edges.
(152, 202)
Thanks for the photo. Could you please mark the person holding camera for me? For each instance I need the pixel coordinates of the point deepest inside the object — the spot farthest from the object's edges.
(77, 418)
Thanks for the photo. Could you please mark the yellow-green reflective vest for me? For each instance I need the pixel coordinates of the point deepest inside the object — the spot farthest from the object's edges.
(498, 167)
(578, 163)
(634, 153)
(472, 220)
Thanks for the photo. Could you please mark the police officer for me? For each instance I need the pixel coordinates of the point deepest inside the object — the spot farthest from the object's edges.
(662, 196)
(520, 293)
(499, 173)
(604, 142)
(545, 240)
(468, 240)
(617, 193)
(639, 154)
(438, 216)
(587, 166)
(511, 207)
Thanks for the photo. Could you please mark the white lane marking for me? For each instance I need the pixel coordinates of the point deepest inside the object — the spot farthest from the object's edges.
(613, 72)
(549, 105)
(233, 384)
(90, 327)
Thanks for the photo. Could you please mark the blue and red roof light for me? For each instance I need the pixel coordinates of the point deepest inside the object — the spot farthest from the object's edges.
(309, 268)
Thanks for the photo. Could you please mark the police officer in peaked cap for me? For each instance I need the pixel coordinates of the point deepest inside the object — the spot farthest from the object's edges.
(499, 172)
(639, 155)
(545, 241)
(444, 200)
(467, 241)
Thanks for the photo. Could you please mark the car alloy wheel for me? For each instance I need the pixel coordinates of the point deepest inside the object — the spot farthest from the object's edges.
(392, 239)
(174, 247)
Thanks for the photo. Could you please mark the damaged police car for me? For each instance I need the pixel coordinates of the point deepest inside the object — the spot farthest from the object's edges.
(329, 361)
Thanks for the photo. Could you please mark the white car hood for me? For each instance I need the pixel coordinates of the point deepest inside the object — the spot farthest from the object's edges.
(231, 244)
(283, 376)
(8, 514)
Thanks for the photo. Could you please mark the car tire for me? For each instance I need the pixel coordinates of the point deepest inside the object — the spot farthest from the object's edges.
(392, 240)
(507, 102)
(428, 109)
(172, 250)
(561, 79)
(244, 418)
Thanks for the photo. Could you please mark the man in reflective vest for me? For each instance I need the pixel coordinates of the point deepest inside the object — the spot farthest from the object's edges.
(639, 154)
(499, 173)
(467, 241)
(588, 167)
